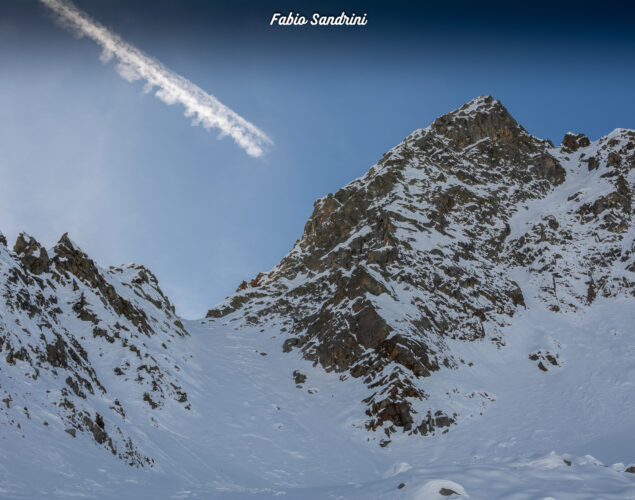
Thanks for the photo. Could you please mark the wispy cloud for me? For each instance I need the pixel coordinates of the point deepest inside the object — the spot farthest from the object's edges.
(172, 88)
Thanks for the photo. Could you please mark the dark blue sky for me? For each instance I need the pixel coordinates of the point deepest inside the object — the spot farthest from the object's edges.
(82, 150)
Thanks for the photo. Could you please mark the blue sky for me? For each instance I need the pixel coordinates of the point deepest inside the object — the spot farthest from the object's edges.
(130, 179)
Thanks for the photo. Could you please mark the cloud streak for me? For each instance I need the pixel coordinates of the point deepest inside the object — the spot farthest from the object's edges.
(133, 65)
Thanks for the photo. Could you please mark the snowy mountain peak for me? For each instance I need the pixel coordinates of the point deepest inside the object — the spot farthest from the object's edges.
(421, 252)
(485, 119)
(479, 106)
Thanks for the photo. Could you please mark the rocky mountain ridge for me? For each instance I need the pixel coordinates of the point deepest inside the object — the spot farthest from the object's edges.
(66, 326)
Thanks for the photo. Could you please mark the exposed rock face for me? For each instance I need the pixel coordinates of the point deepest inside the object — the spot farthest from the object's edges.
(420, 250)
(76, 329)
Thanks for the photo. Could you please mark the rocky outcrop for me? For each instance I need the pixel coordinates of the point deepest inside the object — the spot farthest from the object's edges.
(572, 142)
(419, 250)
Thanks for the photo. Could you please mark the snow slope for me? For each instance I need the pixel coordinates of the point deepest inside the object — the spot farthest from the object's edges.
(254, 434)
